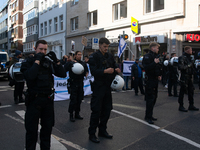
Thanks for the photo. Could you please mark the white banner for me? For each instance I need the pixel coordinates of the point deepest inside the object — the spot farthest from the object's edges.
(60, 86)
(127, 68)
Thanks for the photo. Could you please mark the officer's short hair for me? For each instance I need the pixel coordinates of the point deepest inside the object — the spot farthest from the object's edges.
(187, 47)
(86, 56)
(40, 42)
(77, 52)
(152, 44)
(172, 54)
(104, 40)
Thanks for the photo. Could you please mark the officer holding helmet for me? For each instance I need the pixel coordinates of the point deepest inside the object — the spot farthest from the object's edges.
(153, 74)
(76, 85)
(37, 71)
(186, 66)
(103, 68)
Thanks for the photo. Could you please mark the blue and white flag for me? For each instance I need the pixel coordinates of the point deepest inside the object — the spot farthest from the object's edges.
(121, 47)
(127, 68)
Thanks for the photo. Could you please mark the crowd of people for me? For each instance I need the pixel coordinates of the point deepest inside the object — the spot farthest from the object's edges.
(37, 70)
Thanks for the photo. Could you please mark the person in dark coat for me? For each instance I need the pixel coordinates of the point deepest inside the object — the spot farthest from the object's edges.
(136, 74)
(38, 72)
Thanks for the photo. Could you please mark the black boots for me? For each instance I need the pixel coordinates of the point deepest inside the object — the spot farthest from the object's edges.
(71, 117)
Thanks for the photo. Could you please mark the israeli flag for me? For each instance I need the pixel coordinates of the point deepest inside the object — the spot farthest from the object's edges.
(127, 68)
(121, 47)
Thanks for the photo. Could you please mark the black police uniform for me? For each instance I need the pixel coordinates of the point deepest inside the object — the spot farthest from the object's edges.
(173, 79)
(186, 66)
(76, 88)
(152, 70)
(40, 100)
(137, 79)
(101, 101)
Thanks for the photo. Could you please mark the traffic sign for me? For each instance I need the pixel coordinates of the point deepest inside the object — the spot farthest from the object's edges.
(95, 43)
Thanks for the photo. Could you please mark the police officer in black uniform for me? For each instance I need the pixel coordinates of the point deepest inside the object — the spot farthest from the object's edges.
(173, 77)
(76, 86)
(37, 71)
(186, 66)
(152, 68)
(104, 69)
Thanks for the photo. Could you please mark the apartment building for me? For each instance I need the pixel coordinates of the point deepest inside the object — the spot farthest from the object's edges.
(15, 25)
(52, 24)
(30, 25)
(4, 26)
(173, 24)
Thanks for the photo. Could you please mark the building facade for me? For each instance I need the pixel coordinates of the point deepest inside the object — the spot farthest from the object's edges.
(168, 22)
(52, 24)
(4, 26)
(30, 25)
(15, 25)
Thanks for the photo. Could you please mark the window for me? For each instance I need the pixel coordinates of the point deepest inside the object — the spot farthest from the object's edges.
(50, 21)
(92, 18)
(74, 24)
(45, 4)
(61, 22)
(154, 5)
(41, 6)
(16, 17)
(45, 28)
(50, 3)
(55, 24)
(74, 2)
(16, 3)
(120, 10)
(41, 26)
(199, 16)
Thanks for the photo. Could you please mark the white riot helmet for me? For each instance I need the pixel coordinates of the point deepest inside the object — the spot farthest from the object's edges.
(77, 68)
(166, 62)
(15, 73)
(117, 83)
(174, 60)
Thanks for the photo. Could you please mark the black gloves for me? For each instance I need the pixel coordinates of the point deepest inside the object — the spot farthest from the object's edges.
(39, 56)
(52, 55)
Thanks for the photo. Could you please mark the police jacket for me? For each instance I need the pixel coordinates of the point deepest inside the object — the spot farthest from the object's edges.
(98, 63)
(186, 66)
(39, 77)
(173, 71)
(152, 69)
(76, 77)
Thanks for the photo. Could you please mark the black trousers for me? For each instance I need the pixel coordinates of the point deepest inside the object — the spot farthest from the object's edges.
(19, 87)
(76, 97)
(172, 83)
(40, 107)
(138, 83)
(190, 88)
(151, 93)
(101, 106)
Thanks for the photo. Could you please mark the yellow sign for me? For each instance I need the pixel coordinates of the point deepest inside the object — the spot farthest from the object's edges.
(134, 25)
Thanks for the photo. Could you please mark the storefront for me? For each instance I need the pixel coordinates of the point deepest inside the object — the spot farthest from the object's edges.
(192, 39)
(142, 44)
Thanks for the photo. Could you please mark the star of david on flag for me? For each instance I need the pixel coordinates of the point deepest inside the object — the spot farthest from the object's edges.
(121, 47)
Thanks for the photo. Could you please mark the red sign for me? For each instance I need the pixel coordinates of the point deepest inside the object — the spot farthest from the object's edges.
(193, 37)
(137, 39)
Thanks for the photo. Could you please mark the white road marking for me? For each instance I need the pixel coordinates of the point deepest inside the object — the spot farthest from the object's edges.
(162, 130)
(5, 106)
(127, 106)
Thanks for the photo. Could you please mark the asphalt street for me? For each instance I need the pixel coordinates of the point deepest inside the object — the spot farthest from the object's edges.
(174, 130)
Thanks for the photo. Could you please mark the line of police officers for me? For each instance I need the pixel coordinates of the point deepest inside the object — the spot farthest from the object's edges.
(38, 70)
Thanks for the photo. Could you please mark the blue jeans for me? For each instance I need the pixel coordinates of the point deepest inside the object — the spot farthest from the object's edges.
(126, 78)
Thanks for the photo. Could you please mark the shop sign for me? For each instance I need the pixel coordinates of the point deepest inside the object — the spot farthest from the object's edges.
(148, 39)
(193, 37)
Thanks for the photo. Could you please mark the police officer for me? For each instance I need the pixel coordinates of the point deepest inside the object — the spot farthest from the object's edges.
(37, 71)
(19, 86)
(152, 68)
(173, 77)
(103, 68)
(76, 86)
(186, 66)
